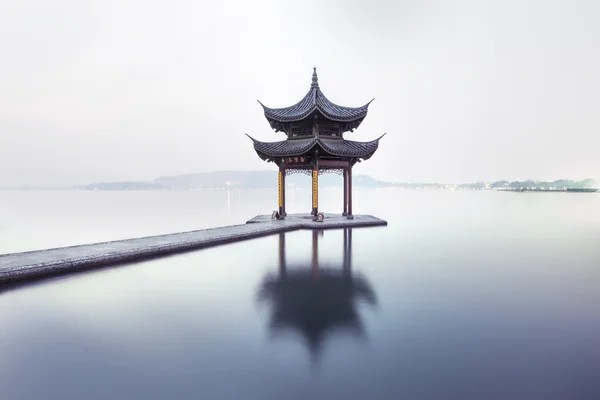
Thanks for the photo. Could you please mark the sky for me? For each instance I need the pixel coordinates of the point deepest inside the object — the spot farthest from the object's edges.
(131, 90)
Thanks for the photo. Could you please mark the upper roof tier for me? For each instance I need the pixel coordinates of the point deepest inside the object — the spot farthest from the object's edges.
(315, 100)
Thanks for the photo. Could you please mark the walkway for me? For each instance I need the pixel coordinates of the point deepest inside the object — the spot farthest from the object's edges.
(35, 264)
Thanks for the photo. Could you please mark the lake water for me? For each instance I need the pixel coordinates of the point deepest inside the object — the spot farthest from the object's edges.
(466, 294)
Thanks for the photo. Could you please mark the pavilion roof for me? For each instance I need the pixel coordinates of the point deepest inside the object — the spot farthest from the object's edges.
(298, 147)
(316, 100)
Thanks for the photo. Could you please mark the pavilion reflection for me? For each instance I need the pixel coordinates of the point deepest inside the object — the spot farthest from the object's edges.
(314, 299)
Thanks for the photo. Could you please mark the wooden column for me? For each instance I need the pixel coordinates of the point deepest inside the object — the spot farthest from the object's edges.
(315, 186)
(345, 173)
(350, 216)
(280, 191)
(283, 192)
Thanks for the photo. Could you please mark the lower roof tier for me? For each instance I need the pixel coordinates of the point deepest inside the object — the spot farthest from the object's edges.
(300, 147)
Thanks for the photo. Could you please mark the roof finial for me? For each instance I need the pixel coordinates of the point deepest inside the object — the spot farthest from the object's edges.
(315, 79)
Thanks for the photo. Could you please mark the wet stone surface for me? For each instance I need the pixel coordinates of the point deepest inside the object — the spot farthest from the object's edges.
(36, 264)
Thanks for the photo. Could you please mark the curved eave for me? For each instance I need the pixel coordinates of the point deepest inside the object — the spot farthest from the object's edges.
(338, 113)
(296, 112)
(299, 147)
(315, 100)
(284, 148)
(349, 148)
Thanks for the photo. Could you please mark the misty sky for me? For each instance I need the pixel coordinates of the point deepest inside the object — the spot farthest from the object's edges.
(132, 90)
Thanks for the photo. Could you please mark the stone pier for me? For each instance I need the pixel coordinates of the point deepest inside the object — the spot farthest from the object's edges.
(41, 263)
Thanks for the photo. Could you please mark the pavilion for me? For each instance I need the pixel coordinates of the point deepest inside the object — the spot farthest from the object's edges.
(315, 143)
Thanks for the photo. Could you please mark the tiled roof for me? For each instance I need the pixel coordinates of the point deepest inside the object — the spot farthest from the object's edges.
(298, 147)
(349, 148)
(292, 147)
(316, 100)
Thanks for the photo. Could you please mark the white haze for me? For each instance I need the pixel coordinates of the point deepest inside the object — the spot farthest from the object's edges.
(131, 90)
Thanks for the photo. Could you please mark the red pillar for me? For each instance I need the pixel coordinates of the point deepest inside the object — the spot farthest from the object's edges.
(315, 188)
(350, 216)
(283, 192)
(345, 173)
(280, 191)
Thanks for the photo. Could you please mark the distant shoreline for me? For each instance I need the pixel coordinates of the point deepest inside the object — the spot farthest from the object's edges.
(244, 189)
(565, 190)
(267, 180)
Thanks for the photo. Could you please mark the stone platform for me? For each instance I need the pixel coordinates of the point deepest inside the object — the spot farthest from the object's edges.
(305, 221)
(40, 263)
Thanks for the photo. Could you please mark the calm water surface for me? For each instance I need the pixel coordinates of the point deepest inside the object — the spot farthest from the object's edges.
(464, 295)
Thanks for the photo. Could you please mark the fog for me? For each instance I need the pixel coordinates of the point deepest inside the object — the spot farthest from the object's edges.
(133, 90)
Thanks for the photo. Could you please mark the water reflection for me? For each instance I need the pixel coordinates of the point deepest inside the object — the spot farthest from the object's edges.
(314, 299)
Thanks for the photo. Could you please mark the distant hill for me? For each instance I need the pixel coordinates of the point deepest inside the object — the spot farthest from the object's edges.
(268, 180)
(259, 180)
(236, 180)
(124, 186)
(220, 179)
